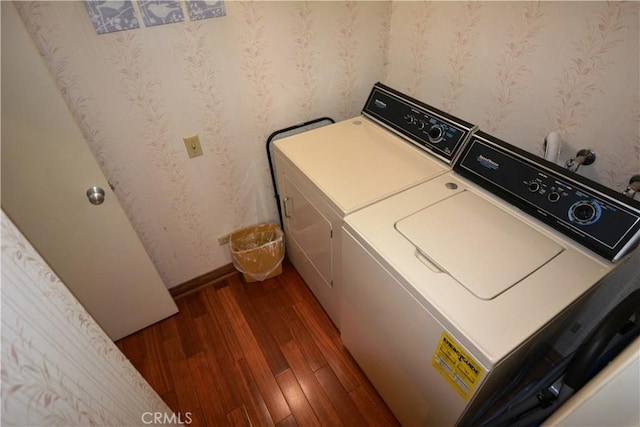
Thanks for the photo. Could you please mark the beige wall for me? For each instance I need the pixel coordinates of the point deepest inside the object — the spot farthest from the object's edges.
(519, 70)
(58, 366)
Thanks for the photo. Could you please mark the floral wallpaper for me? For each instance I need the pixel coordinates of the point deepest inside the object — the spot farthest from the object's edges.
(58, 367)
(519, 70)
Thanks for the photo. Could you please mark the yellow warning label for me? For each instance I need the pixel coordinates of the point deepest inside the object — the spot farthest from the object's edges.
(460, 370)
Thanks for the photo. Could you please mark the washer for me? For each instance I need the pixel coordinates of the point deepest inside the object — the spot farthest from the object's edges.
(449, 285)
(327, 173)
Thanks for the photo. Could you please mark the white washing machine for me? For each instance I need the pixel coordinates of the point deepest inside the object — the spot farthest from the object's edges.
(449, 285)
(329, 172)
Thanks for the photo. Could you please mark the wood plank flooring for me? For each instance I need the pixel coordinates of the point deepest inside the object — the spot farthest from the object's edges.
(255, 354)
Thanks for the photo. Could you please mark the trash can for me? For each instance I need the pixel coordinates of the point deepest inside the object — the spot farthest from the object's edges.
(257, 251)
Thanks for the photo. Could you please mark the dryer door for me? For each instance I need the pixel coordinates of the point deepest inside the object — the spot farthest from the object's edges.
(308, 228)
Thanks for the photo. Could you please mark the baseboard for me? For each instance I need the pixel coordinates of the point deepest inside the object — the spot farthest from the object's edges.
(210, 278)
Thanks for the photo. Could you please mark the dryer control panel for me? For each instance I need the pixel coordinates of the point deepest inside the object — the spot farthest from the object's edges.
(434, 131)
(604, 221)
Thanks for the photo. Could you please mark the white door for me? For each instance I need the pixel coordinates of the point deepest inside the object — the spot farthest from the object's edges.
(47, 168)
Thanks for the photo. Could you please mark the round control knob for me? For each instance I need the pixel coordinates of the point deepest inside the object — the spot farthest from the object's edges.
(435, 133)
(409, 118)
(534, 186)
(585, 212)
(553, 197)
(421, 125)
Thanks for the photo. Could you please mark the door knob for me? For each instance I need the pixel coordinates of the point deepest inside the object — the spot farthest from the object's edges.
(95, 195)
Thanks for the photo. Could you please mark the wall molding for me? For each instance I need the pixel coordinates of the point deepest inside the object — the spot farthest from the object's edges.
(214, 277)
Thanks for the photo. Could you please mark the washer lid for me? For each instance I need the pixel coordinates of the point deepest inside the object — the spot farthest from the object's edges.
(497, 252)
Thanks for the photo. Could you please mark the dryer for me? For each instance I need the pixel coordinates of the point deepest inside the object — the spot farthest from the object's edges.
(327, 173)
(449, 285)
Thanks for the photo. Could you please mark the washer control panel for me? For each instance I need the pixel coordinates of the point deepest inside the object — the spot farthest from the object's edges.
(606, 222)
(427, 127)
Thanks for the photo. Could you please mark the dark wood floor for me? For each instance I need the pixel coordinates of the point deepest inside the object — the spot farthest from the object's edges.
(255, 354)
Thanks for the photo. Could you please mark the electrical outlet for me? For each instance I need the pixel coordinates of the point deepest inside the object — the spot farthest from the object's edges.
(223, 240)
(192, 143)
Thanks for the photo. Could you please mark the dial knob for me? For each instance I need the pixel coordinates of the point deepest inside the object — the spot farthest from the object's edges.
(409, 118)
(421, 124)
(585, 212)
(534, 186)
(435, 133)
(553, 196)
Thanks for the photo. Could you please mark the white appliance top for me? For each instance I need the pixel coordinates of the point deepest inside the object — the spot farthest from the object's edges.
(490, 251)
(539, 271)
(396, 143)
(357, 162)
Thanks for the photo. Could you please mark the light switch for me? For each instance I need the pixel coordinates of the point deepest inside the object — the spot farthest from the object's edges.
(194, 149)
